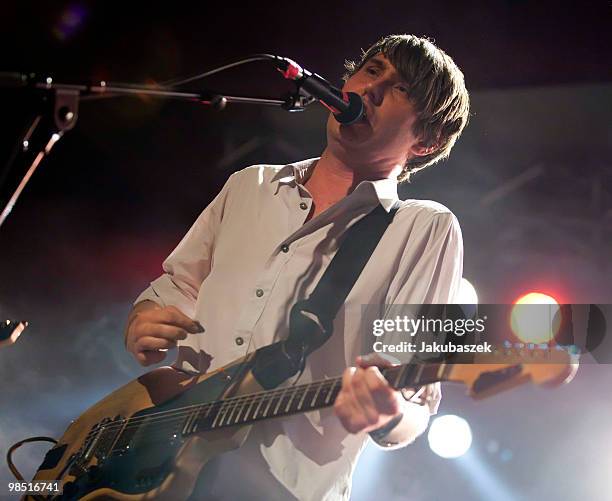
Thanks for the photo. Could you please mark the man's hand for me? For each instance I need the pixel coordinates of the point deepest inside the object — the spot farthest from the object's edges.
(366, 402)
(152, 330)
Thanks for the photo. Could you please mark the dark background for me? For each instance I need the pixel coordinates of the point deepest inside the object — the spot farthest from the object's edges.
(529, 181)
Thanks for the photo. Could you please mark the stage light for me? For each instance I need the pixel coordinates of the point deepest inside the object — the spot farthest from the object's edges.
(467, 293)
(536, 298)
(535, 318)
(449, 436)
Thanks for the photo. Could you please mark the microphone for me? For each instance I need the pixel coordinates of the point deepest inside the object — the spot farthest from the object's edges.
(347, 107)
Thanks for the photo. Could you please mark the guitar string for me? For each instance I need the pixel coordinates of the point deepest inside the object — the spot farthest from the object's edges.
(231, 402)
(167, 427)
(164, 426)
(234, 415)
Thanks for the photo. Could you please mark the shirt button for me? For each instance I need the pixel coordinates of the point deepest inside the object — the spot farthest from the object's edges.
(285, 248)
(239, 341)
(259, 292)
(304, 206)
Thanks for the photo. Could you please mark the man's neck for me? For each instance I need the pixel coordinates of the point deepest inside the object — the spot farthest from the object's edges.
(333, 179)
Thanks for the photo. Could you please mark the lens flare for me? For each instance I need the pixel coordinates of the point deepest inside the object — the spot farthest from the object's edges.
(467, 293)
(449, 436)
(535, 318)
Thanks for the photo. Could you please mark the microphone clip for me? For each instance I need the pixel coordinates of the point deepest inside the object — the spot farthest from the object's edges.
(296, 101)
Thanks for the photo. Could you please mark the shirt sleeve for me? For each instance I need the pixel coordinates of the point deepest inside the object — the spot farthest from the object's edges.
(430, 272)
(189, 263)
(431, 266)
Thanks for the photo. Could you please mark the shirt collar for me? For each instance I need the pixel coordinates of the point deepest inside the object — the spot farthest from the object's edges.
(383, 190)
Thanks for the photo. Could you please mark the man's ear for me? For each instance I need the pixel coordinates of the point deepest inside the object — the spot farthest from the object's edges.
(420, 149)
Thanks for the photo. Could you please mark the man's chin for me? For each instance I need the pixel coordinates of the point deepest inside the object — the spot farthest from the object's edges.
(356, 135)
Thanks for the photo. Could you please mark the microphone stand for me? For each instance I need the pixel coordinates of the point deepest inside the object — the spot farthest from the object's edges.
(60, 108)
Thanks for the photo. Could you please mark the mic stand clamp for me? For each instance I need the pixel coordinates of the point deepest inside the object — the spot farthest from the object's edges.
(296, 101)
(44, 130)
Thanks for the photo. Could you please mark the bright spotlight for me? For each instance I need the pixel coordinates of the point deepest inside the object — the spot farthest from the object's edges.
(467, 293)
(535, 318)
(449, 436)
(536, 298)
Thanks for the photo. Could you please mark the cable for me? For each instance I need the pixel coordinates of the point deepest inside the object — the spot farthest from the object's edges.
(14, 469)
(16, 446)
(176, 82)
(250, 59)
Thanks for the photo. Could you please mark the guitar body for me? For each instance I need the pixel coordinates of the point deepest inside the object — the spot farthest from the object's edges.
(155, 463)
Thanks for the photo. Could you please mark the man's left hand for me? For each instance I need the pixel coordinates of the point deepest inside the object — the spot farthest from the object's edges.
(366, 401)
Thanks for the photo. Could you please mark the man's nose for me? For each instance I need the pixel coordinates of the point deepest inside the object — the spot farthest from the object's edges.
(375, 91)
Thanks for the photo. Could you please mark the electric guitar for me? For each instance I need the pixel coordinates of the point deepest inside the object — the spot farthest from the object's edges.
(150, 438)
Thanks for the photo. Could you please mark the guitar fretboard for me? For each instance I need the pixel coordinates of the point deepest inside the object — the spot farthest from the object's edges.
(246, 409)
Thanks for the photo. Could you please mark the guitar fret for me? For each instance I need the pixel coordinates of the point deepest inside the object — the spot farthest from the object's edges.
(279, 401)
(288, 400)
(231, 414)
(226, 409)
(261, 399)
(196, 420)
(265, 412)
(210, 408)
(240, 406)
(246, 414)
(203, 419)
(186, 423)
(301, 402)
(291, 399)
(314, 399)
(330, 391)
(190, 418)
(222, 411)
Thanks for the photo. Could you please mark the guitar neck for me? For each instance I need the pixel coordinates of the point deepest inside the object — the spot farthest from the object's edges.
(269, 404)
(485, 376)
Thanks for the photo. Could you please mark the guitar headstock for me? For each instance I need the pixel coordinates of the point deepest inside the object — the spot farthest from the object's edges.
(507, 368)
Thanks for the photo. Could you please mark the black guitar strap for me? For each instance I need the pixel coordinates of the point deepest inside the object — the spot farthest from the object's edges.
(311, 319)
(346, 266)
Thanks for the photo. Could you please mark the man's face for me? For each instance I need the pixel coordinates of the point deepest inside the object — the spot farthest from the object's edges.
(385, 136)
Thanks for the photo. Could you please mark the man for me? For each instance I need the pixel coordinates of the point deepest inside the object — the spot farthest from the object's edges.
(264, 243)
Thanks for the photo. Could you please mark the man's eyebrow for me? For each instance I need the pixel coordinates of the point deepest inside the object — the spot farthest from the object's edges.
(382, 63)
(377, 61)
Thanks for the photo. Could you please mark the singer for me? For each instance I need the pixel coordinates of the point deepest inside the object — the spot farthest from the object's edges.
(265, 241)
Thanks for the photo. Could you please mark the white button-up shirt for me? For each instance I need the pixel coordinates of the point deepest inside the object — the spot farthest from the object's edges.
(247, 259)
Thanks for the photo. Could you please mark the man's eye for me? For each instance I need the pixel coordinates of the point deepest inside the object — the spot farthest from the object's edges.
(403, 89)
(372, 70)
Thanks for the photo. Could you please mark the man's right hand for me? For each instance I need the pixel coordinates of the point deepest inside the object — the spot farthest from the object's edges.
(152, 330)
